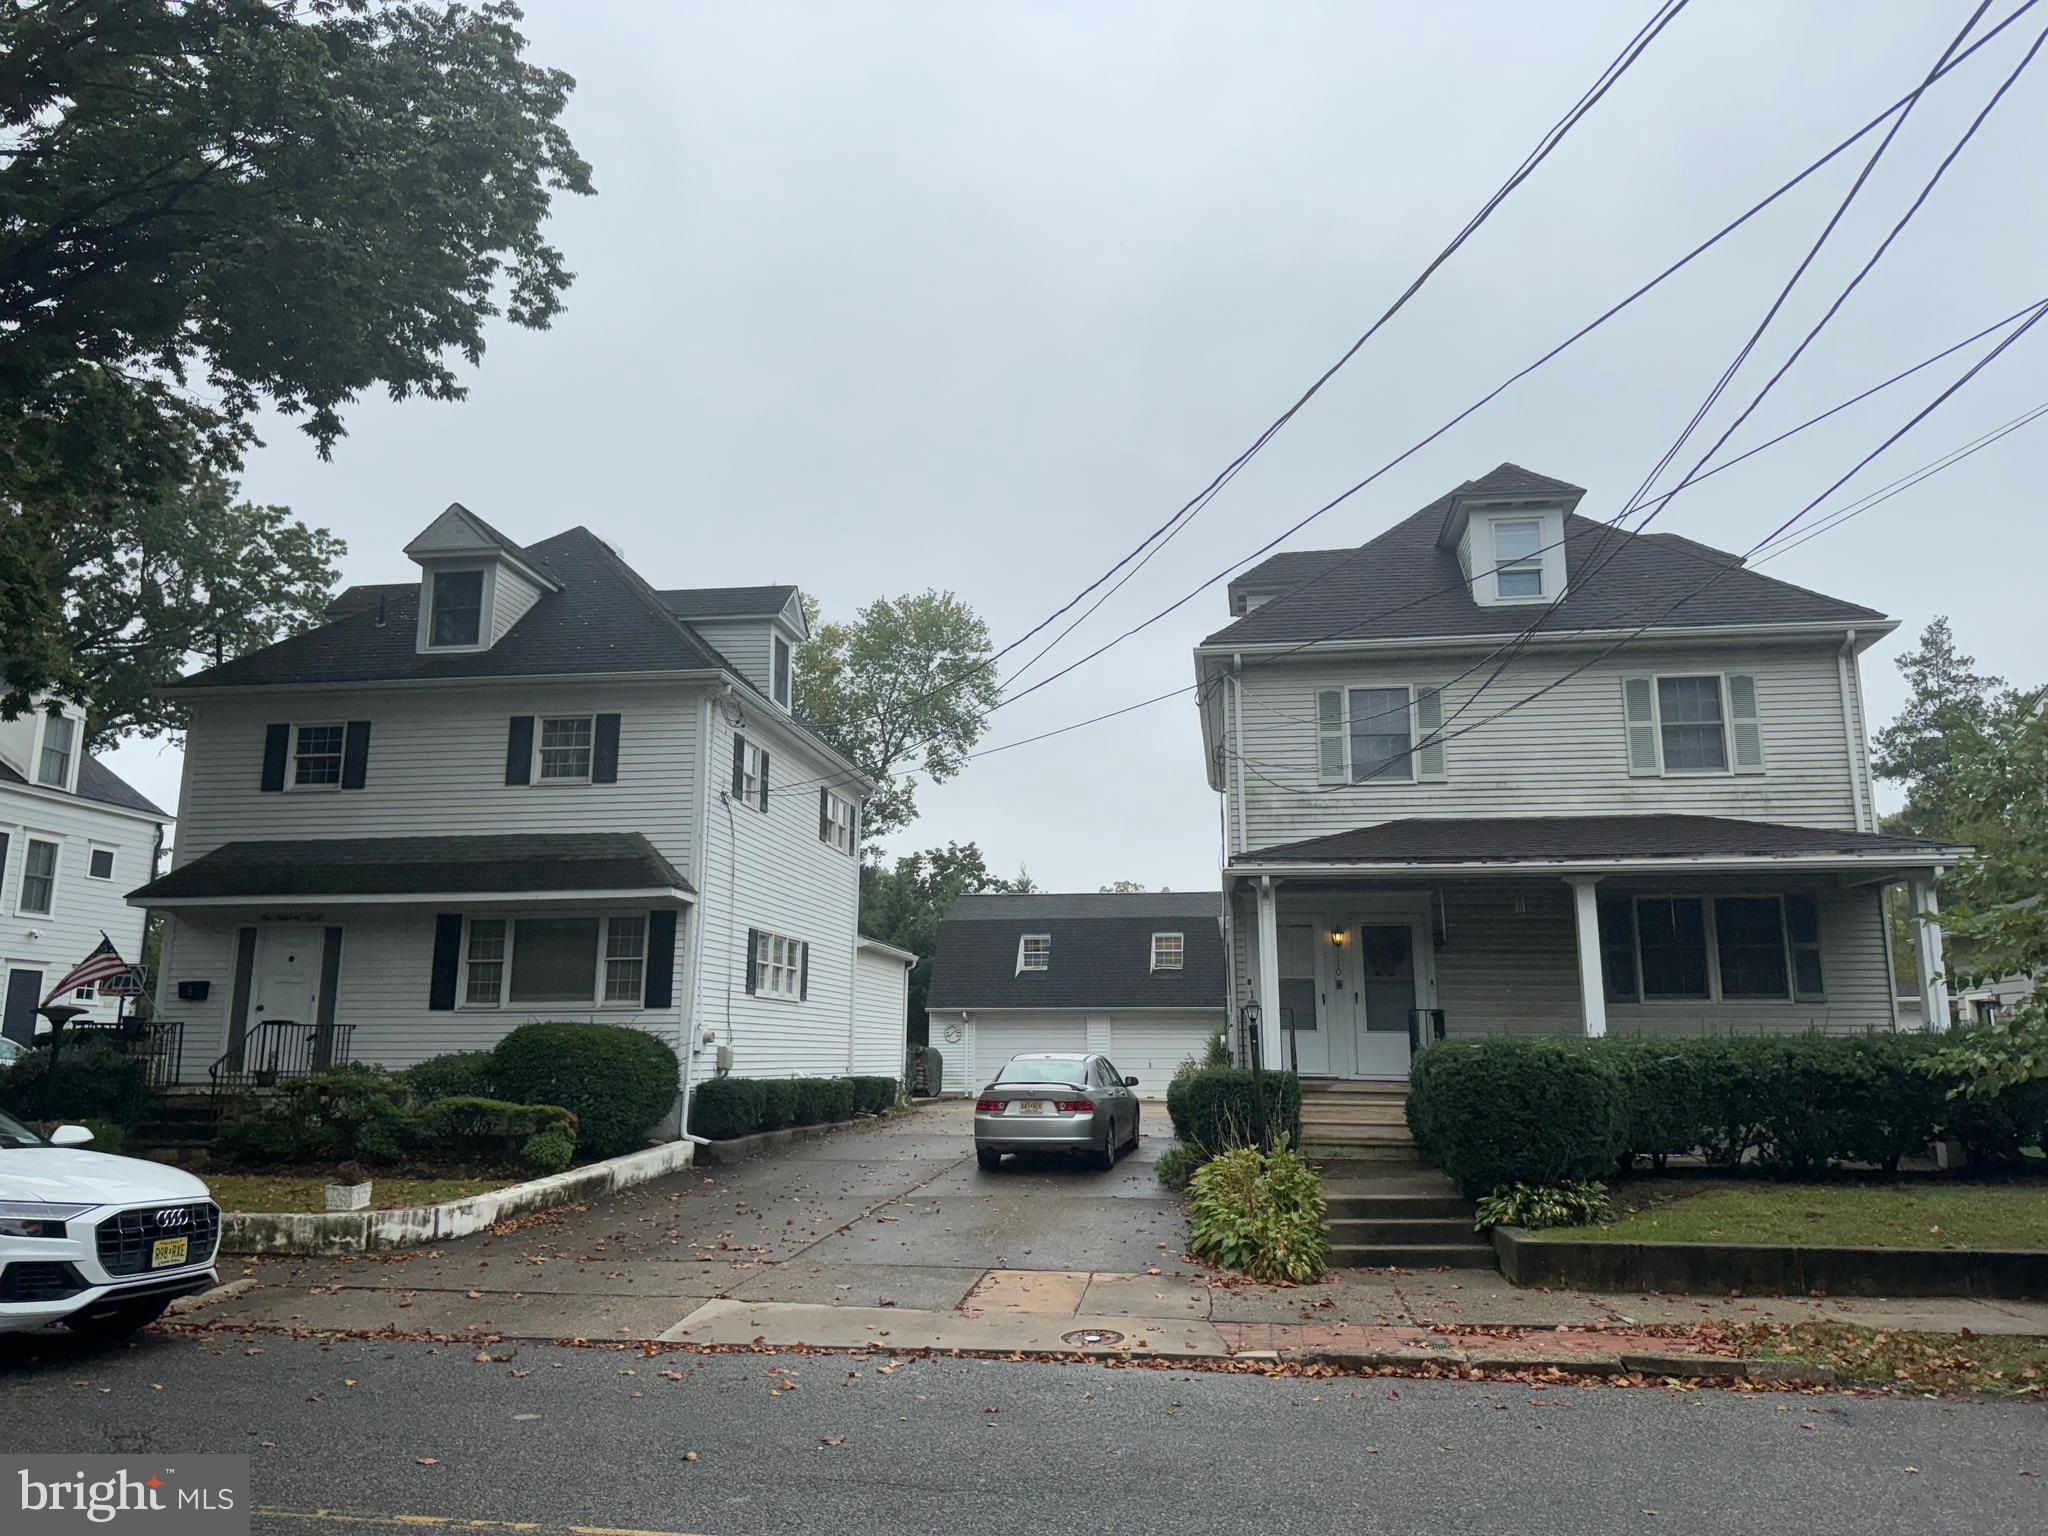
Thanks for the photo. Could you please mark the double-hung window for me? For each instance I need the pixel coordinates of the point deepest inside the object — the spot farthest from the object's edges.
(749, 773)
(1693, 723)
(1691, 729)
(835, 820)
(1034, 952)
(1379, 734)
(38, 892)
(1169, 951)
(565, 742)
(1671, 945)
(316, 756)
(779, 965)
(60, 741)
(1712, 949)
(583, 960)
(1518, 557)
(780, 664)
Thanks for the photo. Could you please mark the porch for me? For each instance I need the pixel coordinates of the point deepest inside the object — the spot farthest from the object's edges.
(1365, 948)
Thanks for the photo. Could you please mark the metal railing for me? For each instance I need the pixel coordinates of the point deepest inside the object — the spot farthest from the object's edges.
(278, 1050)
(159, 1043)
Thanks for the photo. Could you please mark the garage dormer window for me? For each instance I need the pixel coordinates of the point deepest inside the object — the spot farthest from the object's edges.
(1034, 953)
(1168, 951)
(457, 611)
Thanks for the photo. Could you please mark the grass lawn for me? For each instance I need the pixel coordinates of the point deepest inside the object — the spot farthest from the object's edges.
(1993, 1364)
(2010, 1214)
(294, 1192)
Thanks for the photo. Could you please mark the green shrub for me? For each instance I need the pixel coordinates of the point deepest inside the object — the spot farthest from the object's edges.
(477, 1130)
(355, 1112)
(1544, 1205)
(1998, 1128)
(875, 1095)
(1215, 1056)
(1216, 1110)
(463, 1075)
(1177, 1165)
(1662, 1095)
(1529, 1110)
(617, 1081)
(836, 1098)
(91, 1081)
(1259, 1212)
(548, 1151)
(723, 1108)
(779, 1103)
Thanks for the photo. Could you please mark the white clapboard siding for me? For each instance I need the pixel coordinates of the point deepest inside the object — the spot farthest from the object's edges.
(746, 643)
(773, 872)
(881, 1013)
(81, 907)
(437, 767)
(1563, 754)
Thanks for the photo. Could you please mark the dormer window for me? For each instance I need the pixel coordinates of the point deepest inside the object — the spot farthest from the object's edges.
(60, 748)
(1168, 951)
(1518, 556)
(456, 615)
(1034, 952)
(781, 672)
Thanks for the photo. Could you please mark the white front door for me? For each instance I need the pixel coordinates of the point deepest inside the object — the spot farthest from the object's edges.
(286, 984)
(1303, 1022)
(1385, 992)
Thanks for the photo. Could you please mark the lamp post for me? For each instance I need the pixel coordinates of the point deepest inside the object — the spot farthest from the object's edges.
(1250, 1016)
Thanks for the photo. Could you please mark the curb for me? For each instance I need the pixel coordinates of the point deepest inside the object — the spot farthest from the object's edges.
(315, 1233)
(723, 1154)
(1694, 1367)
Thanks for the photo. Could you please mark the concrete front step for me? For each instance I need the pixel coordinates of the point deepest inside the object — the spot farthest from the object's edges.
(1378, 1119)
(1405, 1208)
(1443, 1256)
(1349, 1151)
(1421, 1232)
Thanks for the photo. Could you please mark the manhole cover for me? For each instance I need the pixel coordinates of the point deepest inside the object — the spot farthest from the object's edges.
(1091, 1338)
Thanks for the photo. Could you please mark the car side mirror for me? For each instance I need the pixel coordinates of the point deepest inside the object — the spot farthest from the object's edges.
(1130, 1082)
(70, 1136)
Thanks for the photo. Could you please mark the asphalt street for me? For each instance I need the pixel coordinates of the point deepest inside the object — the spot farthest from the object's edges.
(356, 1436)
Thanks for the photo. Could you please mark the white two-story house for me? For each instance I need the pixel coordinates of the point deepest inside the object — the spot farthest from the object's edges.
(1651, 815)
(527, 785)
(74, 838)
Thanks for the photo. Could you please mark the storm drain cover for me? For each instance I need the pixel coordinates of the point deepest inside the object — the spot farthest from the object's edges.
(1091, 1338)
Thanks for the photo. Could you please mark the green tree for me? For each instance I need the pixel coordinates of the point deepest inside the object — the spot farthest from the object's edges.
(1947, 701)
(210, 206)
(906, 687)
(1124, 887)
(903, 904)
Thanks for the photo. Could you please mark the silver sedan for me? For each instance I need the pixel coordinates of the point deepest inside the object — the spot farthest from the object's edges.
(1056, 1102)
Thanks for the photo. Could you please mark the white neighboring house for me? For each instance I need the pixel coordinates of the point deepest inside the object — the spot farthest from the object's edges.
(1135, 976)
(526, 786)
(74, 839)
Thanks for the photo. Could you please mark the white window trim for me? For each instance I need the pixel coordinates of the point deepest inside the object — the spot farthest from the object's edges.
(505, 1002)
(1416, 691)
(751, 754)
(1022, 941)
(32, 835)
(1715, 997)
(1538, 561)
(1728, 768)
(487, 604)
(540, 725)
(767, 968)
(35, 757)
(291, 757)
(838, 820)
(113, 854)
(1181, 963)
(781, 669)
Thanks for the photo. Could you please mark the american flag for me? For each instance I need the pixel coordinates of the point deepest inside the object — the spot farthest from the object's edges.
(103, 962)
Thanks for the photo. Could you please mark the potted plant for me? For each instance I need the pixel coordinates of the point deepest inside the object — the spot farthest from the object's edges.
(350, 1188)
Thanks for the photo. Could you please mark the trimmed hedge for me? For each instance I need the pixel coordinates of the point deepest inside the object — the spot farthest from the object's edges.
(1552, 1110)
(724, 1108)
(463, 1075)
(541, 1137)
(92, 1081)
(354, 1112)
(1215, 1109)
(617, 1081)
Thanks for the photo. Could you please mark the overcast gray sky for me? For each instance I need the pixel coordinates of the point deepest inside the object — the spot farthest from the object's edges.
(875, 298)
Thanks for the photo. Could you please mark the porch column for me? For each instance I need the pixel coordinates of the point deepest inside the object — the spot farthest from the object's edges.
(1927, 950)
(1592, 986)
(1269, 974)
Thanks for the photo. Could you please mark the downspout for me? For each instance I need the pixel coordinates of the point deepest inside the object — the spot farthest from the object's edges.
(1851, 735)
(692, 1026)
(1237, 742)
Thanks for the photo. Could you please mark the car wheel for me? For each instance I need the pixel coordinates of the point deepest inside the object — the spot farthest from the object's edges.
(1132, 1144)
(989, 1159)
(116, 1321)
(1105, 1156)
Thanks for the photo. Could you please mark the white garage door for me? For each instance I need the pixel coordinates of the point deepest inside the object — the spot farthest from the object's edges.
(997, 1040)
(1150, 1048)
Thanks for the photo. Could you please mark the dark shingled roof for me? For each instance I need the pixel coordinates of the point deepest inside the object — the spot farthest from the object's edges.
(495, 865)
(1491, 839)
(96, 781)
(726, 602)
(1401, 585)
(1101, 952)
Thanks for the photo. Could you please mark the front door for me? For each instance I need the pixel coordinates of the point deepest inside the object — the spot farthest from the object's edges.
(1302, 991)
(1386, 993)
(286, 984)
(24, 991)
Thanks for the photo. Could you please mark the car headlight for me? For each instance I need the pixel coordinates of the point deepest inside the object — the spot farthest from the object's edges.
(35, 1218)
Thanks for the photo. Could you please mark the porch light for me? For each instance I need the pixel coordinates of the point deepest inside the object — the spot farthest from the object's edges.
(1336, 938)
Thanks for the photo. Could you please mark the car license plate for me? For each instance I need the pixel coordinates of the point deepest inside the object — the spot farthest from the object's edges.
(167, 1251)
(1031, 1106)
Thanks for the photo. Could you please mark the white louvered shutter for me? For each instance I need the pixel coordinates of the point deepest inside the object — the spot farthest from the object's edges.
(1333, 755)
(1429, 720)
(1639, 698)
(1744, 725)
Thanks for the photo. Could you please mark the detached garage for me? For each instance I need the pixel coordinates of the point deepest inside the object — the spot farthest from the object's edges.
(1137, 977)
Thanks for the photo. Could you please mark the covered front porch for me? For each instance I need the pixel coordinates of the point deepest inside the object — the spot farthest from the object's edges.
(1361, 950)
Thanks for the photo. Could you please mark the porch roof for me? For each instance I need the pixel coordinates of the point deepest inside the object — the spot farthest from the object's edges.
(524, 865)
(1624, 841)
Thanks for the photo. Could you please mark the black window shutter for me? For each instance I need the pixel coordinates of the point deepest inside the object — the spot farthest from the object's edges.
(519, 750)
(739, 766)
(604, 756)
(753, 949)
(355, 755)
(447, 960)
(803, 975)
(824, 815)
(277, 741)
(661, 959)
(764, 779)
